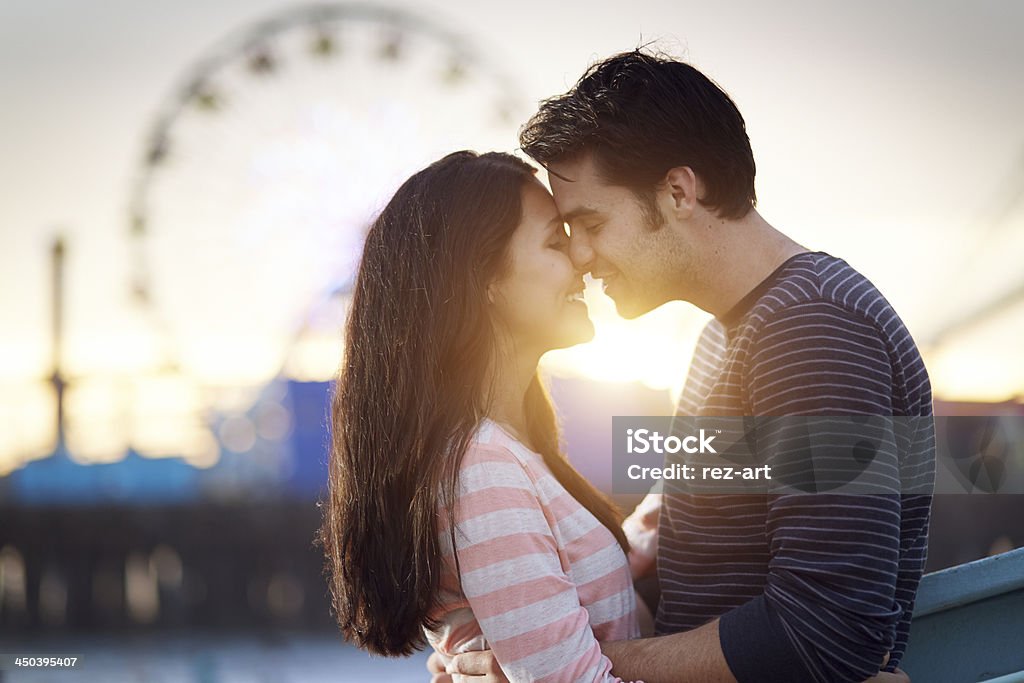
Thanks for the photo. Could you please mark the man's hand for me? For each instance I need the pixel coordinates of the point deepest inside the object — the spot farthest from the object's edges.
(472, 667)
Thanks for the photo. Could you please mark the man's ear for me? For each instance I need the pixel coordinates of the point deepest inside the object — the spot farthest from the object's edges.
(683, 188)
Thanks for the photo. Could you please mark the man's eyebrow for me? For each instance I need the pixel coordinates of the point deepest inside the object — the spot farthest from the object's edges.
(578, 213)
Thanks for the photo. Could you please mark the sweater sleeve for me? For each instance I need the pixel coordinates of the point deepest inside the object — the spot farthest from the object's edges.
(828, 611)
(515, 579)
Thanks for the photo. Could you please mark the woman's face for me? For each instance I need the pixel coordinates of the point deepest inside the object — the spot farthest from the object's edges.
(540, 297)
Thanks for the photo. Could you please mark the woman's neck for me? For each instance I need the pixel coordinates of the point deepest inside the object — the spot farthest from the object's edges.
(512, 374)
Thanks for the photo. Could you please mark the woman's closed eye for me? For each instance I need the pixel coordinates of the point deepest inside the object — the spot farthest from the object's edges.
(559, 240)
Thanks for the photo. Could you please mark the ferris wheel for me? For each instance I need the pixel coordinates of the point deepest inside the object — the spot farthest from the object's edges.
(266, 164)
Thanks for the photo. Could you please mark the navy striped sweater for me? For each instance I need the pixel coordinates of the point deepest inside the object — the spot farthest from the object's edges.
(815, 586)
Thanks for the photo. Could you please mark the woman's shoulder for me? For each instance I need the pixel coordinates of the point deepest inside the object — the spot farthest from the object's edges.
(491, 443)
(493, 458)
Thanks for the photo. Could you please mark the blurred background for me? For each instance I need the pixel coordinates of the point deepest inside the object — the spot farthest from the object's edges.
(185, 187)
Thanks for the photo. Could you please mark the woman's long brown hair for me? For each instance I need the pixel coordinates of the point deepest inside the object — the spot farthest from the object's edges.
(412, 390)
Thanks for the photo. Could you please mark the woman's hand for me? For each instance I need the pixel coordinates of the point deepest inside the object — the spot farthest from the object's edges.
(435, 665)
(898, 676)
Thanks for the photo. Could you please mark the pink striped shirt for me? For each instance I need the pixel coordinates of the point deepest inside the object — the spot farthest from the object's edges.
(542, 580)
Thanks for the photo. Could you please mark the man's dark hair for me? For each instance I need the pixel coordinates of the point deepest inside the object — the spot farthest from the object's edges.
(642, 114)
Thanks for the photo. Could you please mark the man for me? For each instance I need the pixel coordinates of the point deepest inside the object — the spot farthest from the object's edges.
(651, 167)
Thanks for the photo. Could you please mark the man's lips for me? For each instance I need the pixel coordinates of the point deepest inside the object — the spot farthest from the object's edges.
(605, 278)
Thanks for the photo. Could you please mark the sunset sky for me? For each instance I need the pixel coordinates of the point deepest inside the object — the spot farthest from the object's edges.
(889, 134)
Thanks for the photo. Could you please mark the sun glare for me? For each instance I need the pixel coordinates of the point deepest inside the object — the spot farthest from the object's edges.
(654, 349)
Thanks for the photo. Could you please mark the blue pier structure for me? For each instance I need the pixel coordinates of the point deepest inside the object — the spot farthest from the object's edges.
(292, 468)
(969, 623)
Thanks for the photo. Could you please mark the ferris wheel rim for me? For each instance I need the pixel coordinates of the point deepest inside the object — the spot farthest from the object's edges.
(245, 40)
(252, 35)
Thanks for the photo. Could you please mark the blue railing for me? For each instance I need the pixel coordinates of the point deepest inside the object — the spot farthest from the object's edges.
(969, 623)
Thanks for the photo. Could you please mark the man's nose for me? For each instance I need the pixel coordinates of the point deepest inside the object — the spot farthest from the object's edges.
(580, 251)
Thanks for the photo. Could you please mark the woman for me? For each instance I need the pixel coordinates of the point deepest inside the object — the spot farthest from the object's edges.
(439, 415)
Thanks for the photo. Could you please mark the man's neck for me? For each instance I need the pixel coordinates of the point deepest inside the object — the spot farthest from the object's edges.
(740, 255)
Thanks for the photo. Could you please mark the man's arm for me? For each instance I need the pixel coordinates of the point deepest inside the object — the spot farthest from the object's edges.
(694, 656)
(828, 610)
(680, 656)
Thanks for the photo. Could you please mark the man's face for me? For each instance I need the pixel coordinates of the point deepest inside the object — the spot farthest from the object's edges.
(612, 237)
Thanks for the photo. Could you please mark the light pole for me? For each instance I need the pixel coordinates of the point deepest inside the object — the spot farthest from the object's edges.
(57, 378)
